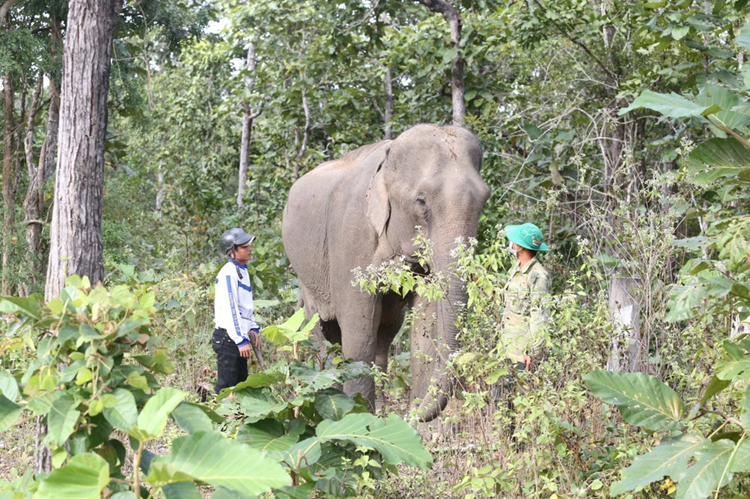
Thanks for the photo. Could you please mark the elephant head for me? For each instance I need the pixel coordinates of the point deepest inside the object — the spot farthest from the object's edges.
(429, 177)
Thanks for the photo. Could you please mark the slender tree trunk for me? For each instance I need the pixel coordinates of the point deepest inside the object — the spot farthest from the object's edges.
(9, 175)
(247, 123)
(388, 104)
(29, 205)
(33, 203)
(453, 18)
(160, 191)
(9, 204)
(76, 235)
(306, 132)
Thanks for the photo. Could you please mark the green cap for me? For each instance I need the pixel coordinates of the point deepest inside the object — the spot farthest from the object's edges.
(528, 236)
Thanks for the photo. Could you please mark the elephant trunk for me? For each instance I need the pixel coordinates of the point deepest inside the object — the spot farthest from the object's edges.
(437, 339)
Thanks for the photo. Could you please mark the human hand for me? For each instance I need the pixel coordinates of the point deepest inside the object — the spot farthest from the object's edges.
(245, 351)
(527, 362)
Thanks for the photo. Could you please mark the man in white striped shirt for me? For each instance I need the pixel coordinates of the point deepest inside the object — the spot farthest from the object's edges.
(234, 311)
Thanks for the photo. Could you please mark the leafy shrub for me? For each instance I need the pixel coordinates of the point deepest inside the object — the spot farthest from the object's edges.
(94, 380)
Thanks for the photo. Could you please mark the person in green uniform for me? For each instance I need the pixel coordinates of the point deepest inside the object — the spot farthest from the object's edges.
(525, 296)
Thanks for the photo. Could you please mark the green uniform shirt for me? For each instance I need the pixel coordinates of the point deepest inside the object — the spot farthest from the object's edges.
(526, 311)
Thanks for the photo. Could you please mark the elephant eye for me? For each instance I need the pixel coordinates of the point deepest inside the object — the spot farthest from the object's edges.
(421, 202)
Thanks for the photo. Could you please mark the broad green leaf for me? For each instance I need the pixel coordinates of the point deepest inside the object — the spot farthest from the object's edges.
(311, 324)
(62, 418)
(395, 439)
(259, 380)
(84, 477)
(745, 416)
(222, 493)
(743, 40)
(181, 490)
(303, 454)
(153, 417)
(719, 158)
(299, 492)
(643, 400)
(9, 413)
(670, 105)
(8, 386)
(714, 94)
(137, 380)
(257, 404)
(295, 321)
(218, 461)
(700, 479)
(131, 325)
(124, 415)
(192, 418)
(267, 435)
(728, 370)
(333, 404)
(670, 458)
(27, 306)
(274, 335)
(679, 32)
(314, 380)
(741, 460)
(715, 386)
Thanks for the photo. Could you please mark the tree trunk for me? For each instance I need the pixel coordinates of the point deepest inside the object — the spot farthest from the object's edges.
(453, 18)
(388, 105)
(33, 204)
(624, 308)
(76, 235)
(247, 123)
(31, 214)
(306, 132)
(9, 204)
(160, 191)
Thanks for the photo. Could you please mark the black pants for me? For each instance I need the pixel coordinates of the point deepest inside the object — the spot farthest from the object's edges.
(505, 387)
(232, 368)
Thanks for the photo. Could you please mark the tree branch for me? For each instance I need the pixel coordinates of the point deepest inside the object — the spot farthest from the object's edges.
(5, 7)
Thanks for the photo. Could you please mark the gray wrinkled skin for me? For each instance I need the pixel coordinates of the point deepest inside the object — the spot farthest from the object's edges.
(362, 210)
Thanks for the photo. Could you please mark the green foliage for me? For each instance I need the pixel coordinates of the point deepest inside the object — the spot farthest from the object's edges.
(97, 366)
(713, 285)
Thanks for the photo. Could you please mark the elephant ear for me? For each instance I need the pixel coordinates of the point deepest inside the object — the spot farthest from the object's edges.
(378, 206)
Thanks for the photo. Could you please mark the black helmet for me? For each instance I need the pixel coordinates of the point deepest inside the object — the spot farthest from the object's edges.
(234, 237)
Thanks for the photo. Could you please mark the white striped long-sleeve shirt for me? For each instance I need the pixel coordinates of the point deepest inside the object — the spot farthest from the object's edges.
(233, 302)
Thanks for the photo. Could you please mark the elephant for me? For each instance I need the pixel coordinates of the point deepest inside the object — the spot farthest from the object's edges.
(365, 209)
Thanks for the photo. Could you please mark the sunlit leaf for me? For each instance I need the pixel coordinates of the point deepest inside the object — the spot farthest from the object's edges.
(218, 461)
(123, 415)
(670, 105)
(153, 417)
(62, 418)
(84, 477)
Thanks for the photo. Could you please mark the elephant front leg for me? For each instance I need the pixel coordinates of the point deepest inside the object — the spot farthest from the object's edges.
(359, 342)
